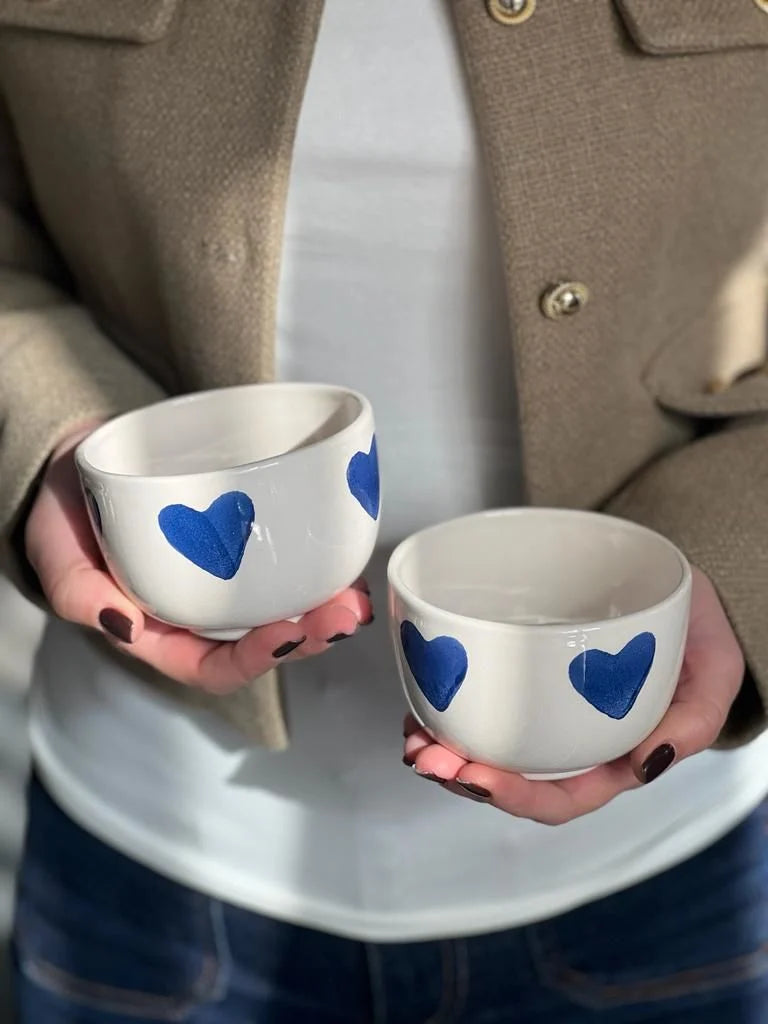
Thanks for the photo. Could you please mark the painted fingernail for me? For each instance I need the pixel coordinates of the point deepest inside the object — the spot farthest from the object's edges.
(475, 792)
(287, 648)
(657, 762)
(338, 636)
(431, 777)
(116, 624)
(408, 761)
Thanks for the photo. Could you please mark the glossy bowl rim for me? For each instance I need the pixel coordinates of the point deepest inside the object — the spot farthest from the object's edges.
(85, 465)
(427, 609)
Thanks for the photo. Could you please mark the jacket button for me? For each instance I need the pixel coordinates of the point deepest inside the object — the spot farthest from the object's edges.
(564, 299)
(511, 12)
(763, 5)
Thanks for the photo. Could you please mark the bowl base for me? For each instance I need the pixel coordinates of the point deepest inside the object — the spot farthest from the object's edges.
(555, 776)
(232, 634)
(220, 634)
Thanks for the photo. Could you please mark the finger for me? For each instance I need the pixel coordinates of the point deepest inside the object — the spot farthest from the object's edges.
(550, 803)
(338, 619)
(712, 674)
(432, 759)
(218, 667)
(414, 744)
(356, 598)
(63, 552)
(410, 724)
(693, 722)
(224, 667)
(85, 595)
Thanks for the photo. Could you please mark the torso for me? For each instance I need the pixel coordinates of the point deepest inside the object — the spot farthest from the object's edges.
(391, 283)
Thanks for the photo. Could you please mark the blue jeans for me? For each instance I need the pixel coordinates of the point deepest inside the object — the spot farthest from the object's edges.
(101, 940)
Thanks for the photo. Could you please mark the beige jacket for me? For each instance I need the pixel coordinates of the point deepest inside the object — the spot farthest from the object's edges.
(144, 157)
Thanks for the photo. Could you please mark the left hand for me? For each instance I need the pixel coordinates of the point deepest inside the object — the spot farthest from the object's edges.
(713, 669)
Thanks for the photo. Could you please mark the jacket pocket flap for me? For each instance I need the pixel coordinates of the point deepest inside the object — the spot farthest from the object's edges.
(136, 21)
(695, 26)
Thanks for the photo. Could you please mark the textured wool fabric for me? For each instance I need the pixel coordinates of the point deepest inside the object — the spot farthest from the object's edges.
(146, 149)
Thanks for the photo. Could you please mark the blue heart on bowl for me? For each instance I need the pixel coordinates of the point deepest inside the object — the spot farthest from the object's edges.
(363, 479)
(214, 539)
(438, 666)
(612, 682)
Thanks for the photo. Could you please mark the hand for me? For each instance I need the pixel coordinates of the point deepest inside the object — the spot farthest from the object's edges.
(712, 672)
(62, 550)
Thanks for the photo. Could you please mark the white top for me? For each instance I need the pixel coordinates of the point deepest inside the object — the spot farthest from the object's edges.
(391, 285)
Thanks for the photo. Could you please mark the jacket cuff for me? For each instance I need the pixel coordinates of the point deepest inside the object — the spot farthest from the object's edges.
(58, 370)
(710, 498)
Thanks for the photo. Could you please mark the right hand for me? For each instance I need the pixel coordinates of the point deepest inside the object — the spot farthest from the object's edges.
(63, 552)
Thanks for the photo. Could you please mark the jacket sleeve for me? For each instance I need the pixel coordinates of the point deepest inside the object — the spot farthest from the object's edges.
(711, 499)
(57, 369)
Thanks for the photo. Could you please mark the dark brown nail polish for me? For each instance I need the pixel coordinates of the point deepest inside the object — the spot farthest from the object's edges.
(408, 761)
(338, 636)
(431, 777)
(287, 648)
(476, 792)
(116, 624)
(658, 762)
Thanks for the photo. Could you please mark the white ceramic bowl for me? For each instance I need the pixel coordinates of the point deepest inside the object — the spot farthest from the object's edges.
(228, 509)
(541, 641)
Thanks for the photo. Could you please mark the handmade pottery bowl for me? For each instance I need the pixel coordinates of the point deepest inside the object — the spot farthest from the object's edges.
(541, 641)
(225, 510)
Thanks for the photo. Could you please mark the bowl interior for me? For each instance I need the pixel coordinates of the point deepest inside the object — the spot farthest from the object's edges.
(538, 566)
(221, 429)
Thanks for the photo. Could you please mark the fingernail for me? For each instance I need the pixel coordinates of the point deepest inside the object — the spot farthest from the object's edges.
(657, 762)
(408, 761)
(431, 777)
(116, 624)
(338, 636)
(475, 792)
(287, 647)
(369, 620)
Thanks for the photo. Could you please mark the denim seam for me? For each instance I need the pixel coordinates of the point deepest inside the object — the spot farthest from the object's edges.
(112, 999)
(223, 952)
(584, 989)
(461, 967)
(376, 979)
(446, 1004)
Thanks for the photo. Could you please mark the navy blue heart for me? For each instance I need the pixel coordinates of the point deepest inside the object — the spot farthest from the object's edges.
(611, 682)
(438, 666)
(215, 539)
(363, 479)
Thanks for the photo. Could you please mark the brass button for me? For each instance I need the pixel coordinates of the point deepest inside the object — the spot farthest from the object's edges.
(511, 12)
(763, 5)
(564, 299)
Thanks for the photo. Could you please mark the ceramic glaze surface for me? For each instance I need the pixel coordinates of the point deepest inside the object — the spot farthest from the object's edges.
(228, 509)
(543, 641)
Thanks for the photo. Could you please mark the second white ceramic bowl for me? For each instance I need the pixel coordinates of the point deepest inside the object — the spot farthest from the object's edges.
(542, 641)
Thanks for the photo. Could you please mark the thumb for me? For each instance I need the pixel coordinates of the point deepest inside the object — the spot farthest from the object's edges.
(83, 593)
(713, 669)
(62, 550)
(707, 688)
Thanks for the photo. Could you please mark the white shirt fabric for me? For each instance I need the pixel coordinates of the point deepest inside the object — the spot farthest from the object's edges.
(391, 284)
